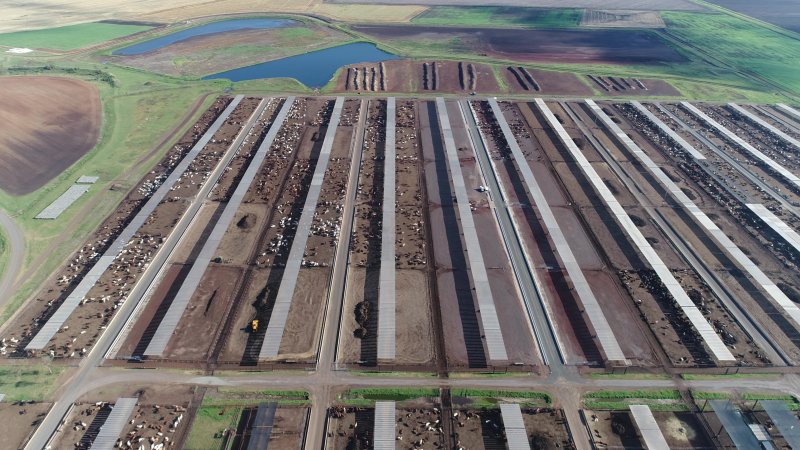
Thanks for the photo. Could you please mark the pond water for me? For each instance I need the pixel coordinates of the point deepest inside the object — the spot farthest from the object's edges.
(313, 69)
(209, 28)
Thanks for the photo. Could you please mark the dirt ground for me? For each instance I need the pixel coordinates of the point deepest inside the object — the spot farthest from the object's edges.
(19, 421)
(617, 429)
(546, 82)
(352, 428)
(547, 428)
(609, 85)
(218, 52)
(607, 46)
(49, 123)
(418, 76)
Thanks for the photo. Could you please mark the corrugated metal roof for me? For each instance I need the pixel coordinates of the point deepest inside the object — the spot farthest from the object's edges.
(516, 434)
(734, 425)
(71, 302)
(491, 325)
(387, 285)
(790, 307)
(702, 326)
(384, 432)
(112, 428)
(64, 201)
(668, 131)
(283, 300)
(262, 426)
(765, 124)
(162, 336)
(794, 179)
(778, 225)
(85, 179)
(789, 109)
(714, 342)
(648, 427)
(784, 419)
(608, 342)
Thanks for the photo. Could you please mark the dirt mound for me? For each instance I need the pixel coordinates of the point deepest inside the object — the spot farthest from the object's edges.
(48, 123)
(246, 222)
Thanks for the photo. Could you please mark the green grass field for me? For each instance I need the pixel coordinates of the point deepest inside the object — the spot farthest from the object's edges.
(499, 17)
(71, 37)
(29, 382)
(744, 45)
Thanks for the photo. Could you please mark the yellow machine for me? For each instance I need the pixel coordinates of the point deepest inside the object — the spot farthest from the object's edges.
(254, 325)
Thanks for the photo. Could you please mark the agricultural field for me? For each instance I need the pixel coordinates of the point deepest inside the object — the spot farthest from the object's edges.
(499, 17)
(57, 121)
(71, 37)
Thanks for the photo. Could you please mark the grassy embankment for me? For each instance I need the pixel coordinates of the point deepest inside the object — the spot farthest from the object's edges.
(70, 37)
(223, 408)
(138, 111)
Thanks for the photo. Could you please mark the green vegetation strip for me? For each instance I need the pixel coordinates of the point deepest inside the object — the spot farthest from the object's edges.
(29, 382)
(732, 376)
(499, 17)
(71, 37)
(658, 400)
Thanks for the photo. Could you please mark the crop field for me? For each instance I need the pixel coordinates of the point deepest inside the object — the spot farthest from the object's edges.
(739, 43)
(70, 37)
(56, 122)
(558, 45)
(499, 16)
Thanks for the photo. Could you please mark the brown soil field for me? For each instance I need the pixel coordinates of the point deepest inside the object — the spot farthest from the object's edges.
(548, 82)
(609, 85)
(404, 75)
(49, 123)
(218, 52)
(584, 46)
(19, 421)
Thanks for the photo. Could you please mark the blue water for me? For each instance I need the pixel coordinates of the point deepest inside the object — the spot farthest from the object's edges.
(313, 69)
(210, 28)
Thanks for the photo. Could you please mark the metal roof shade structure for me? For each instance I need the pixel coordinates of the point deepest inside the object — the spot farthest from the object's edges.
(387, 325)
(608, 342)
(86, 179)
(764, 124)
(109, 433)
(790, 110)
(262, 426)
(784, 419)
(688, 307)
(713, 340)
(792, 178)
(166, 327)
(516, 435)
(734, 424)
(71, 302)
(778, 225)
(648, 427)
(488, 313)
(283, 301)
(384, 432)
(741, 258)
(668, 131)
(64, 201)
